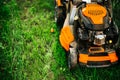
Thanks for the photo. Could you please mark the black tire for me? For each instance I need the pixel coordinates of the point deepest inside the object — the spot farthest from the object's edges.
(60, 15)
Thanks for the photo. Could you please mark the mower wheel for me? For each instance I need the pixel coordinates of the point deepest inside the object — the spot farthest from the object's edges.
(60, 15)
(72, 58)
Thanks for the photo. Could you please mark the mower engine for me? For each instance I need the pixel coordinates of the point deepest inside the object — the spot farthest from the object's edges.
(97, 36)
(99, 39)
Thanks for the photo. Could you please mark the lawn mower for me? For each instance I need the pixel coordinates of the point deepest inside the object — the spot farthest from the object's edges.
(88, 32)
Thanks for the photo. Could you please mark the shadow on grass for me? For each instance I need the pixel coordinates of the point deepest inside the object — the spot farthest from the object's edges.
(5, 58)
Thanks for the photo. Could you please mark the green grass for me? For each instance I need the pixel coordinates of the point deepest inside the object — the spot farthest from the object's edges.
(29, 51)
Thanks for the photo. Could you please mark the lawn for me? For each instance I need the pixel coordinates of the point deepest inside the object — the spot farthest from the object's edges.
(29, 51)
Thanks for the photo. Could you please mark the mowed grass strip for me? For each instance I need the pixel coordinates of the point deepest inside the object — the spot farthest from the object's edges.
(36, 41)
(30, 41)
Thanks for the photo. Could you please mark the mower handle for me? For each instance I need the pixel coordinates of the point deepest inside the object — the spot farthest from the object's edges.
(79, 4)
